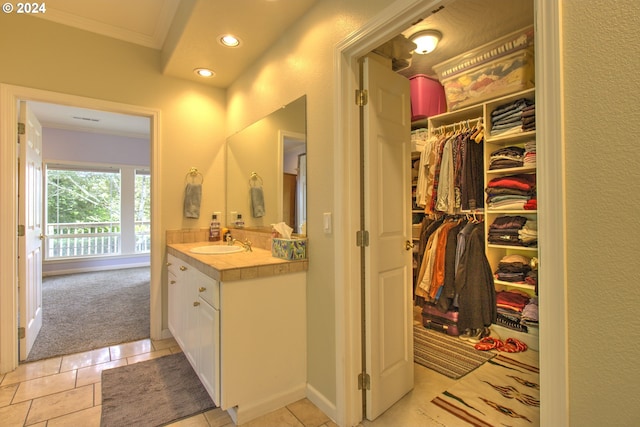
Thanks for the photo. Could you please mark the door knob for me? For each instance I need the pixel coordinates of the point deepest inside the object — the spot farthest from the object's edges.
(202, 289)
(196, 303)
(408, 245)
(41, 236)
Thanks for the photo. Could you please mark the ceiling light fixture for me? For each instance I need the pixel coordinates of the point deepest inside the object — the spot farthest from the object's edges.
(426, 41)
(204, 72)
(229, 40)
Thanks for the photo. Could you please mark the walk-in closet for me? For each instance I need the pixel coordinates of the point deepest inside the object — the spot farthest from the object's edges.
(474, 203)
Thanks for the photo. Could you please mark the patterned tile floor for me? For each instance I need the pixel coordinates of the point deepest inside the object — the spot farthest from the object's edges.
(65, 391)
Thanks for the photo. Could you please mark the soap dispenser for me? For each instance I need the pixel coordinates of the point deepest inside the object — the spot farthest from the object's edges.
(214, 229)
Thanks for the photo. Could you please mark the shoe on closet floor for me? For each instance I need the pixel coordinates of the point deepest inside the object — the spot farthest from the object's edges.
(479, 334)
(466, 334)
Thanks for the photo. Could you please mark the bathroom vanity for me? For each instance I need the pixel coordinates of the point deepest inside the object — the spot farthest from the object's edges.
(240, 320)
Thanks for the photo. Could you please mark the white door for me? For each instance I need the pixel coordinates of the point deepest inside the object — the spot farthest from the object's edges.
(388, 270)
(30, 216)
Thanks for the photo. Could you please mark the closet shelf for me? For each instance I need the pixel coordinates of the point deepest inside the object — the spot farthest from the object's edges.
(514, 285)
(520, 248)
(511, 211)
(511, 138)
(520, 169)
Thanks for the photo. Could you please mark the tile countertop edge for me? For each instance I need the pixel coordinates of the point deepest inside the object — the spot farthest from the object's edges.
(236, 266)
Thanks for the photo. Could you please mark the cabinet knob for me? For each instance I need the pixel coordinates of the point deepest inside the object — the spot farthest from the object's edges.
(196, 303)
(202, 289)
(183, 268)
(168, 264)
(173, 282)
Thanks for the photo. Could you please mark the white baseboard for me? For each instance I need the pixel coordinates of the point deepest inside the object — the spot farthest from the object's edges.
(92, 269)
(247, 412)
(324, 404)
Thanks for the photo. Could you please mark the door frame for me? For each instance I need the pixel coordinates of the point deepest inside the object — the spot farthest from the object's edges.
(10, 96)
(551, 212)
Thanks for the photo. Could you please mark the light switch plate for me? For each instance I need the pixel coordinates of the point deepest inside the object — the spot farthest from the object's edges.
(326, 222)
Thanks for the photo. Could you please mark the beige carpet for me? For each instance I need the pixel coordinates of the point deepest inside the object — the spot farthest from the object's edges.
(152, 393)
(86, 311)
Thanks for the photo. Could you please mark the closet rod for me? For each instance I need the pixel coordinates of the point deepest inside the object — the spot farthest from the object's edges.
(460, 123)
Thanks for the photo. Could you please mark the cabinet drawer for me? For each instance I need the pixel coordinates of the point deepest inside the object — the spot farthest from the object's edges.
(176, 265)
(208, 288)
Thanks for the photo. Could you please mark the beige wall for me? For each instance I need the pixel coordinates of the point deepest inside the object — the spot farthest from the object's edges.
(302, 63)
(39, 54)
(602, 89)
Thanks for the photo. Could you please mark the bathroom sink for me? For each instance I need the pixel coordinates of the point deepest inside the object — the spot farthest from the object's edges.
(216, 249)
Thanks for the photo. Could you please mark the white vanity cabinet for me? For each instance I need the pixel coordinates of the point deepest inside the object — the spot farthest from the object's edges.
(194, 320)
(245, 337)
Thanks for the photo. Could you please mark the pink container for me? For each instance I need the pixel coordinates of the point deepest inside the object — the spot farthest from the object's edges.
(427, 97)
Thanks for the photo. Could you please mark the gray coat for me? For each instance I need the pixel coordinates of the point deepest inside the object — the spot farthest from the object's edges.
(474, 285)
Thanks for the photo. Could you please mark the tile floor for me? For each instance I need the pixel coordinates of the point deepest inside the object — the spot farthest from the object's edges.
(65, 391)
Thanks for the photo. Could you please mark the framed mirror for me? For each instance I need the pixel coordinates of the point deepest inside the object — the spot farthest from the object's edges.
(266, 171)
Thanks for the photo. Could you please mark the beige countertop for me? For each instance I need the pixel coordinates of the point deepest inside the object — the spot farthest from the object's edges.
(235, 266)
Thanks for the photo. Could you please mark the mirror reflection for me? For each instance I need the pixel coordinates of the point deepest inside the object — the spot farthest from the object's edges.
(266, 171)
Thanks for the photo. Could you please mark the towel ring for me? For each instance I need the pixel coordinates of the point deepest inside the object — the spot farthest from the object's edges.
(194, 174)
(255, 180)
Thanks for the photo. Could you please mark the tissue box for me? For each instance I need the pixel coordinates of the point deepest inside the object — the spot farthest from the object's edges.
(291, 249)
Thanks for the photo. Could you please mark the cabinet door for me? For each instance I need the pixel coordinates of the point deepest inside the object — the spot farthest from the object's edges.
(209, 349)
(173, 304)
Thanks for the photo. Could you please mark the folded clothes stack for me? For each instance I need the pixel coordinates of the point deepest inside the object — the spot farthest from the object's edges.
(514, 117)
(511, 192)
(529, 158)
(506, 230)
(506, 157)
(510, 305)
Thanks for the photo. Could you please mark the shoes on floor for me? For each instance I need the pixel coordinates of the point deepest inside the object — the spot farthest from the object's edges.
(475, 335)
(479, 334)
(466, 334)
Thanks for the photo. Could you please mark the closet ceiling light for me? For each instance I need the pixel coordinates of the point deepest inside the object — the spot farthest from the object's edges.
(204, 72)
(229, 40)
(426, 41)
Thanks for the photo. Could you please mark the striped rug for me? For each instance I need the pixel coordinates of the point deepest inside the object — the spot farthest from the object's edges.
(447, 355)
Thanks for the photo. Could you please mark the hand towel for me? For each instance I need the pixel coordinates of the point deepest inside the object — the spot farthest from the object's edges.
(192, 199)
(257, 202)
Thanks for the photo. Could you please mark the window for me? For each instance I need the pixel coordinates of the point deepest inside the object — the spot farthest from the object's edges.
(143, 211)
(96, 211)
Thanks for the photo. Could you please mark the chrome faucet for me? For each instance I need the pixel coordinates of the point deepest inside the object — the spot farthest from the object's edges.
(246, 244)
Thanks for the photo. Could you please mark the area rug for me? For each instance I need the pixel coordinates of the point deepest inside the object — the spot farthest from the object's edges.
(502, 392)
(447, 355)
(85, 311)
(152, 393)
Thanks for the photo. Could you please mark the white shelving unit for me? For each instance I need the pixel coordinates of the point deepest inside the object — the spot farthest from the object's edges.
(496, 252)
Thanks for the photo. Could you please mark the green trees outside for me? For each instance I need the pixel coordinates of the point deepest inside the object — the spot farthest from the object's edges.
(77, 196)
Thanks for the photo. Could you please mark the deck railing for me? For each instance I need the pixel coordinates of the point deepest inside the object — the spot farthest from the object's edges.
(66, 240)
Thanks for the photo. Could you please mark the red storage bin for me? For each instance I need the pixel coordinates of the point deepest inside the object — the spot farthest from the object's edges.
(427, 97)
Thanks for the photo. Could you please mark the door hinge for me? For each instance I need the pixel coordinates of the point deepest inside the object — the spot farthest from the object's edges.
(364, 381)
(21, 333)
(21, 128)
(20, 230)
(362, 238)
(362, 97)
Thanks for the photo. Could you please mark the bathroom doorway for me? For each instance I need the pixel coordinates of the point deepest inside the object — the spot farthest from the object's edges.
(11, 96)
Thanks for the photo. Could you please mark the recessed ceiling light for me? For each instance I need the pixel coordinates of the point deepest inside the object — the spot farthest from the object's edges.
(229, 40)
(204, 72)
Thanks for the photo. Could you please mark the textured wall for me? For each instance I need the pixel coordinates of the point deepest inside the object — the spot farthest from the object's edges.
(602, 88)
